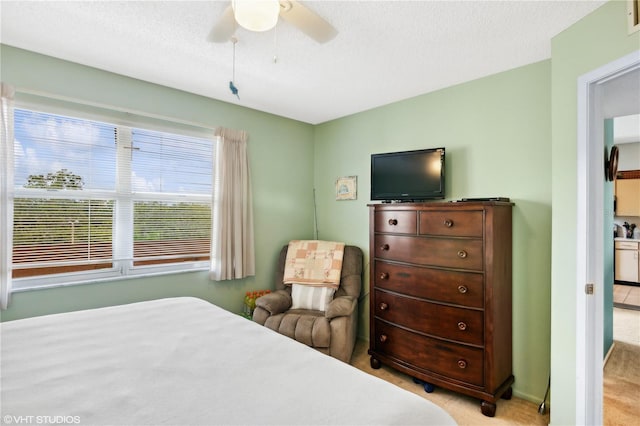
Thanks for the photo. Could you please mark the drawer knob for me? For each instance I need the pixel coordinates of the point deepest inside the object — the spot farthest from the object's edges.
(462, 326)
(383, 338)
(462, 363)
(462, 254)
(448, 223)
(384, 306)
(384, 247)
(384, 276)
(462, 289)
(393, 222)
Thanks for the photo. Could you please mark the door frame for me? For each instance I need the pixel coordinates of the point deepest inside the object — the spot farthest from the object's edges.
(590, 237)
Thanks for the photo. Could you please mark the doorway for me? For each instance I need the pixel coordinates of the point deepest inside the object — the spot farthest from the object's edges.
(609, 91)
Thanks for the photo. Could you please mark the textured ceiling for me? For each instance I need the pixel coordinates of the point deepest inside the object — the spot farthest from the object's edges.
(385, 51)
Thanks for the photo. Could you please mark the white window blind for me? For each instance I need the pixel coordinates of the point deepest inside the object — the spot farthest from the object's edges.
(165, 230)
(61, 235)
(172, 205)
(64, 169)
(93, 197)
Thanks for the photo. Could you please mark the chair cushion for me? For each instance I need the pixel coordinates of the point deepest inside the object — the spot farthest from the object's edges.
(308, 327)
(342, 306)
(350, 278)
(275, 303)
(307, 297)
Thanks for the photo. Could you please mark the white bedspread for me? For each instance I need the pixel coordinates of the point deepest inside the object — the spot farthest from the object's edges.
(185, 361)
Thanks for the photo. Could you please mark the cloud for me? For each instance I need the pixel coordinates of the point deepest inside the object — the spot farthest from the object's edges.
(26, 162)
(46, 143)
(140, 184)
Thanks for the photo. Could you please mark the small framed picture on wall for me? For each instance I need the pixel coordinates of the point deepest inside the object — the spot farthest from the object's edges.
(347, 188)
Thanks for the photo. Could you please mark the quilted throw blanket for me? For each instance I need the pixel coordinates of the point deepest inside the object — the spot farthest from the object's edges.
(313, 262)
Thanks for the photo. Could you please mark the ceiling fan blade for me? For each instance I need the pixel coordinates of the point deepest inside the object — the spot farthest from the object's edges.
(224, 28)
(307, 21)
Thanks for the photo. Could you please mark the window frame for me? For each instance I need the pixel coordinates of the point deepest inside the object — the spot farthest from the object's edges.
(122, 263)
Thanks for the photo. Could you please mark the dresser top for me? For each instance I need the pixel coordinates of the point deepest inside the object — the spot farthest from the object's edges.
(439, 204)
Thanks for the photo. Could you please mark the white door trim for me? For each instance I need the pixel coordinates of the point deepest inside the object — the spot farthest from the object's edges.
(589, 238)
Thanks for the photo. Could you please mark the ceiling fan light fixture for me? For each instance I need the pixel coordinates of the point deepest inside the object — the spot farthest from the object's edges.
(256, 15)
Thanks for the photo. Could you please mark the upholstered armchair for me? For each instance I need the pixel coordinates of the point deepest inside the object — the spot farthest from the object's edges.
(332, 331)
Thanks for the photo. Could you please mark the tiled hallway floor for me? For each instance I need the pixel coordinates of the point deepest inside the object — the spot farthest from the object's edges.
(626, 296)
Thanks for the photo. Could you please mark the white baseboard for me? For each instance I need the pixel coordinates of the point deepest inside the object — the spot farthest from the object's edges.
(606, 358)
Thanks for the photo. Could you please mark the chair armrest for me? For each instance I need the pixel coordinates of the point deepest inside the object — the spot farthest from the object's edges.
(342, 306)
(275, 303)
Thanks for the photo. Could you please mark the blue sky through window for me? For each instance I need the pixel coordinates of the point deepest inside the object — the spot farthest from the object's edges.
(161, 162)
(164, 162)
(46, 143)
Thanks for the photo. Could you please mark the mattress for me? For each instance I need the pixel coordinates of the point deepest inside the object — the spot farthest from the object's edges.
(185, 361)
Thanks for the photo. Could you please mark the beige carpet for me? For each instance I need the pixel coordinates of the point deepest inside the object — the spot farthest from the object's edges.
(622, 386)
(465, 410)
(621, 381)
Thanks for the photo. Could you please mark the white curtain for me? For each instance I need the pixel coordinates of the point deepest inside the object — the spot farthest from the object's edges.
(6, 193)
(232, 243)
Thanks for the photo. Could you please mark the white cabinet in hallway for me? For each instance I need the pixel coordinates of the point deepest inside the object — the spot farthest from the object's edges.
(627, 266)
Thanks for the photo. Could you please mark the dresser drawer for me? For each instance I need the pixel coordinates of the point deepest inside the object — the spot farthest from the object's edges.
(462, 325)
(447, 252)
(460, 288)
(399, 222)
(451, 223)
(451, 360)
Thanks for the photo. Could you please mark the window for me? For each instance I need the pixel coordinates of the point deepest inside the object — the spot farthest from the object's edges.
(96, 200)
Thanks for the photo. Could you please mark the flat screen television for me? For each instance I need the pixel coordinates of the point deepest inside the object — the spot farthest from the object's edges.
(408, 176)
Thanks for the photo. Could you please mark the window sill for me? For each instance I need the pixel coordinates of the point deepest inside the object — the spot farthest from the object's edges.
(72, 279)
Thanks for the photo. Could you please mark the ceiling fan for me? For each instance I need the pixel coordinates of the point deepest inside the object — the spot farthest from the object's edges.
(261, 15)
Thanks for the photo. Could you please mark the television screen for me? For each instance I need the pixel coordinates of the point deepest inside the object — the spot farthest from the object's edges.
(408, 176)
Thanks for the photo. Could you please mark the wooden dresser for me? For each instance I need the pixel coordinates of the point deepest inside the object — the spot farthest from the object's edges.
(441, 295)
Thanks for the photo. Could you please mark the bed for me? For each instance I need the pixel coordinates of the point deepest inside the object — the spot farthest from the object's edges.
(185, 361)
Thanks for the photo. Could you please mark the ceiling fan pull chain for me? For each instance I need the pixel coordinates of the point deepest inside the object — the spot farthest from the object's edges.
(275, 44)
(234, 41)
(232, 86)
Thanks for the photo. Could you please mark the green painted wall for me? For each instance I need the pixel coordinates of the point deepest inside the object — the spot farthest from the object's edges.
(283, 201)
(496, 131)
(594, 41)
(511, 134)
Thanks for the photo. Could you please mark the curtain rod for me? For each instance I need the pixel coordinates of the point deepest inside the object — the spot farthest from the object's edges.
(46, 95)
